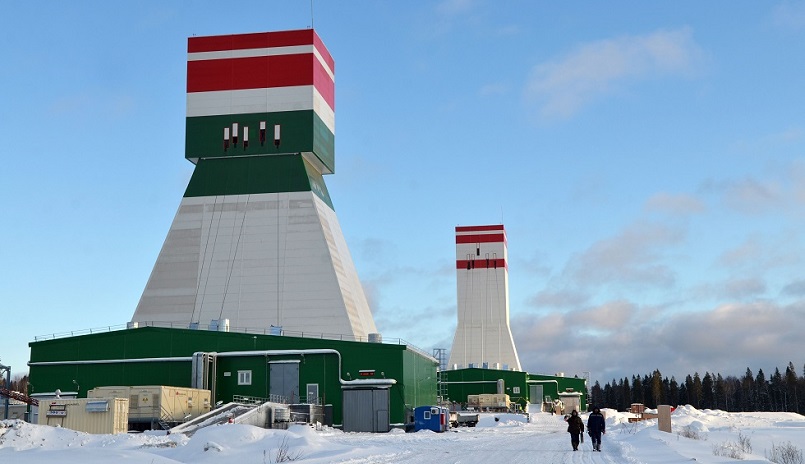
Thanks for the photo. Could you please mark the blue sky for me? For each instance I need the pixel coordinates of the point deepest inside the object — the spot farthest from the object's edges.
(647, 160)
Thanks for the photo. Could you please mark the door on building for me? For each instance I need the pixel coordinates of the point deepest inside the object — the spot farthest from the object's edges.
(283, 380)
(535, 397)
(366, 410)
(312, 393)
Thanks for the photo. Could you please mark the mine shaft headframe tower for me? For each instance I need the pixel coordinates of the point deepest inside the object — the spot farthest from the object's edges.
(256, 242)
(483, 336)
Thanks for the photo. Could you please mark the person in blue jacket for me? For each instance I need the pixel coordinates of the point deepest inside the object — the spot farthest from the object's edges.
(596, 426)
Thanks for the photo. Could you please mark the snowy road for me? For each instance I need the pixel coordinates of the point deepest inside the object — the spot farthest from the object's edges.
(515, 442)
(510, 440)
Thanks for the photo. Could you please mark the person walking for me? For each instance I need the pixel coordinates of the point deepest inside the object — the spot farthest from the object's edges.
(596, 426)
(575, 427)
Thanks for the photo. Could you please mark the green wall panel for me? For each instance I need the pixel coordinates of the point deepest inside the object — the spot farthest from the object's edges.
(301, 131)
(256, 174)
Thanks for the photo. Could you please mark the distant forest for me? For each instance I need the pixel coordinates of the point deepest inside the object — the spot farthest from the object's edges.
(18, 384)
(750, 392)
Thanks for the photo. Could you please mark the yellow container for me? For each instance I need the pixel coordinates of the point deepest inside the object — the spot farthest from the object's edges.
(90, 415)
(152, 403)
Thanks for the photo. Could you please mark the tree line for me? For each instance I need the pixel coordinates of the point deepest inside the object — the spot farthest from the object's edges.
(782, 391)
(18, 384)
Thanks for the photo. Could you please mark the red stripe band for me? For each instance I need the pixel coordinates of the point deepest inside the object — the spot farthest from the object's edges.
(260, 40)
(259, 73)
(479, 228)
(481, 264)
(481, 238)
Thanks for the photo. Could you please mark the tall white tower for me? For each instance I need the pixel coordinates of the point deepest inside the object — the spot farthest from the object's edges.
(483, 336)
(256, 242)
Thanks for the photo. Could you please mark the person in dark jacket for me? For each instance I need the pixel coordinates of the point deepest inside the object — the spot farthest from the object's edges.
(596, 426)
(575, 427)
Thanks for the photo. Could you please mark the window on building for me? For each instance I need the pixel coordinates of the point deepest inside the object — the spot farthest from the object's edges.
(244, 377)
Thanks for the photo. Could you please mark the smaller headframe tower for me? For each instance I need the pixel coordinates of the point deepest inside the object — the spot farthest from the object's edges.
(483, 336)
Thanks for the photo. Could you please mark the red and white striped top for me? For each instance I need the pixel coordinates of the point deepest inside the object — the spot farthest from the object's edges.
(481, 247)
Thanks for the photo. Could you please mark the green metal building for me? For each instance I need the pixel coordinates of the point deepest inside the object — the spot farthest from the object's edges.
(523, 388)
(237, 364)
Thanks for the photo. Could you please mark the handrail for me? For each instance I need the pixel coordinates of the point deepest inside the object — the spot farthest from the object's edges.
(247, 330)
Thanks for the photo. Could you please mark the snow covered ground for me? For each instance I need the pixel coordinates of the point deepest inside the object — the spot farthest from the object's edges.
(508, 440)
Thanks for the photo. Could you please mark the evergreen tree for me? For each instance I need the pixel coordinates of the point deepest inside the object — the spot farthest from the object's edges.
(696, 392)
(609, 401)
(791, 388)
(732, 393)
(719, 394)
(647, 391)
(637, 390)
(748, 393)
(761, 392)
(626, 394)
(596, 394)
(673, 388)
(657, 390)
(708, 398)
(777, 399)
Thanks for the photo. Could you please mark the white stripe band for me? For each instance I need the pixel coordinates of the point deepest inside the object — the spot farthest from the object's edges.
(255, 52)
(480, 232)
(268, 100)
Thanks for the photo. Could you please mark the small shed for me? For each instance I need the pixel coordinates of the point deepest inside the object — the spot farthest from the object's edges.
(435, 418)
(572, 401)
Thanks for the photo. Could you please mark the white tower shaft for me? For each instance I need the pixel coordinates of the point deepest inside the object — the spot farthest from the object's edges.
(483, 336)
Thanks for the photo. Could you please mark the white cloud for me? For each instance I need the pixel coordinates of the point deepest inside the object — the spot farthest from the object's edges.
(562, 87)
(493, 90)
(736, 289)
(680, 204)
(789, 15)
(750, 196)
(795, 288)
(454, 7)
(636, 340)
(562, 299)
(631, 257)
(749, 251)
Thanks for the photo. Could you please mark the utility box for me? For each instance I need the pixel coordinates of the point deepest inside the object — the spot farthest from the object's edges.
(90, 415)
(158, 404)
(493, 401)
(307, 413)
(436, 418)
(473, 401)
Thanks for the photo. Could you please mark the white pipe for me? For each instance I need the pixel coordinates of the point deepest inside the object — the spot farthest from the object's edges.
(110, 361)
(545, 381)
(226, 354)
(472, 381)
(303, 352)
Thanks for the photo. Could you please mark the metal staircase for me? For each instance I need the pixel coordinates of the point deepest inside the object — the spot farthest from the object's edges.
(440, 354)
